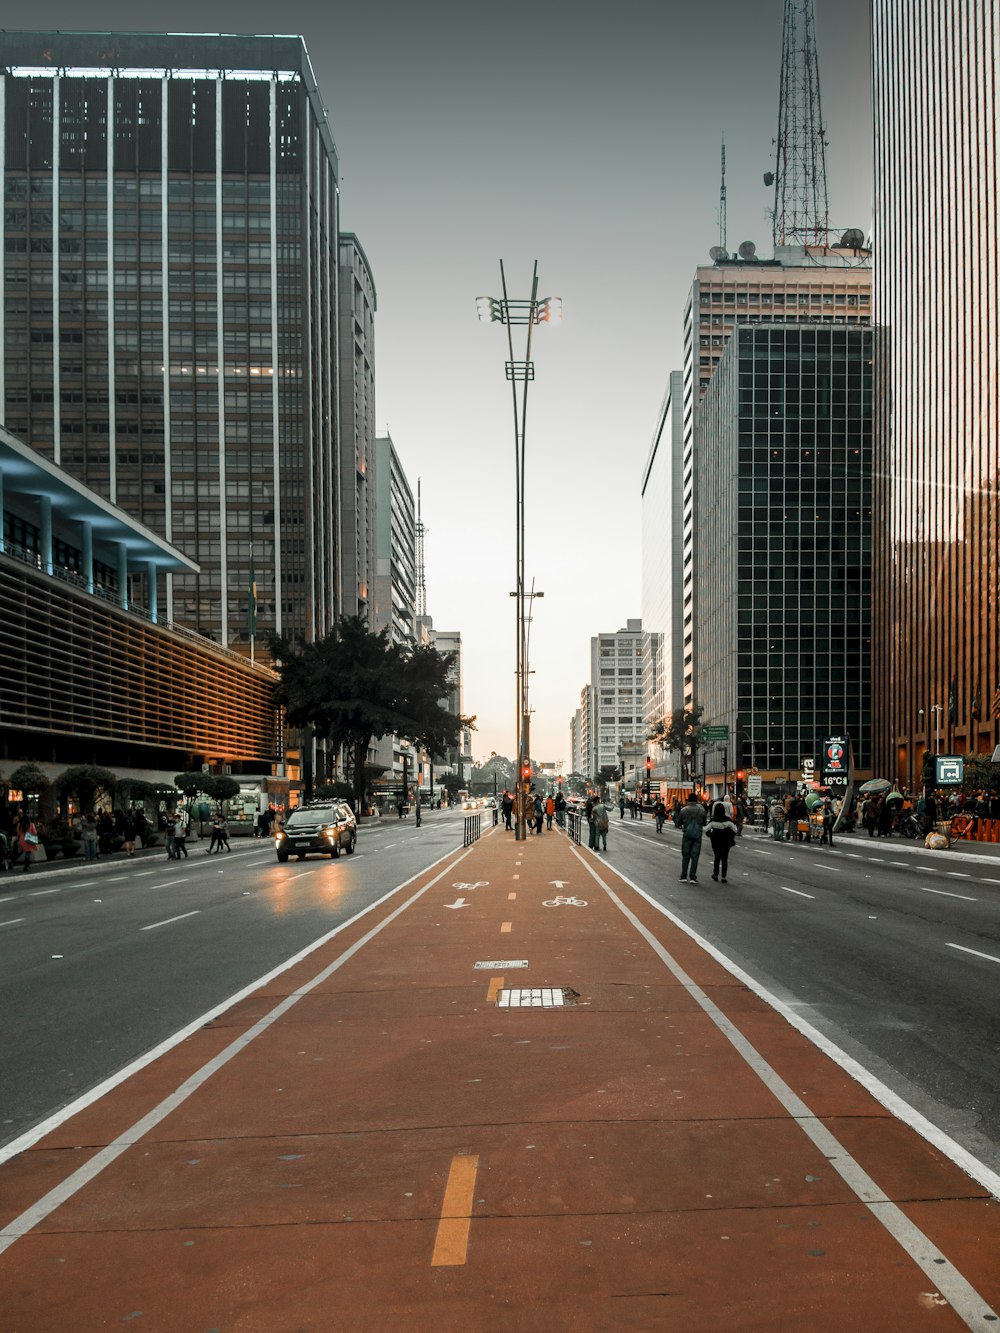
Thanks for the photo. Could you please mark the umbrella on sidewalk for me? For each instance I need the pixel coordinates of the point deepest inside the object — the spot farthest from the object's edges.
(874, 785)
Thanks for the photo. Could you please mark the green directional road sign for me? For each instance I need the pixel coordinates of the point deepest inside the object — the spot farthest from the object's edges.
(715, 733)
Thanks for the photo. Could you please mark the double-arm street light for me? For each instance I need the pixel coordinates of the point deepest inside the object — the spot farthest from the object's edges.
(520, 314)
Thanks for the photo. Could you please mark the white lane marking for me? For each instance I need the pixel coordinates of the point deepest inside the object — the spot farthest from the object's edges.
(855, 856)
(957, 874)
(59, 1194)
(991, 881)
(169, 883)
(16, 921)
(899, 863)
(989, 956)
(116, 879)
(786, 889)
(87, 883)
(171, 919)
(40, 893)
(820, 866)
(139, 873)
(943, 893)
(762, 852)
(876, 858)
(968, 1304)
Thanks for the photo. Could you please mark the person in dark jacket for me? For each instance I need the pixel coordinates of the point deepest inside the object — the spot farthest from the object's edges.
(721, 832)
(693, 820)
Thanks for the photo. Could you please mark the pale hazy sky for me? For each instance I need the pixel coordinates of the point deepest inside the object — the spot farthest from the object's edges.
(586, 137)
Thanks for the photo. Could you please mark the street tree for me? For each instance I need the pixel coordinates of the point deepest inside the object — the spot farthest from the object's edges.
(86, 782)
(680, 733)
(355, 686)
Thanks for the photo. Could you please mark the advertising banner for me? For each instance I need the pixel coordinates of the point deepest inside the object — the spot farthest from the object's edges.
(835, 764)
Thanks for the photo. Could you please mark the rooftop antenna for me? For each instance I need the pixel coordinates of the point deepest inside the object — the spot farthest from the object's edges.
(801, 203)
(421, 583)
(722, 200)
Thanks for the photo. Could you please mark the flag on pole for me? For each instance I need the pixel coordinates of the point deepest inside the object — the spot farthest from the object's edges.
(996, 702)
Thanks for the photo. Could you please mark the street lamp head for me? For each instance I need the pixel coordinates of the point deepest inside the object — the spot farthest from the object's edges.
(549, 310)
(489, 309)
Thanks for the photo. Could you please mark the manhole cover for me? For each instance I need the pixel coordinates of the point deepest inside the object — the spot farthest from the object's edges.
(542, 997)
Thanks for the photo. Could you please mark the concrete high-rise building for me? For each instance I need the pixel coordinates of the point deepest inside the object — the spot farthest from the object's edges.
(395, 547)
(617, 668)
(459, 757)
(783, 569)
(937, 434)
(576, 750)
(357, 428)
(814, 284)
(662, 565)
(169, 298)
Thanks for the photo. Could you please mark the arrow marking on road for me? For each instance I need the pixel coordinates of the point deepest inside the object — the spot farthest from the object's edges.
(459, 902)
(559, 883)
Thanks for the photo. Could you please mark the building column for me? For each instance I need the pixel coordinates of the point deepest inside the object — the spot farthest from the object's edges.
(3, 543)
(87, 555)
(122, 576)
(45, 532)
(151, 590)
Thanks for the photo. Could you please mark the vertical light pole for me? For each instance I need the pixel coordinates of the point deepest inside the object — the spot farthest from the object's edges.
(524, 314)
(937, 710)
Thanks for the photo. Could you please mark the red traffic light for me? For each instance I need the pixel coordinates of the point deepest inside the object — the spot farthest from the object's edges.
(649, 765)
(741, 774)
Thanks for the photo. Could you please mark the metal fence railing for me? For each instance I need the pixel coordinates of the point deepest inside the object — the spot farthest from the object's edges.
(575, 823)
(472, 829)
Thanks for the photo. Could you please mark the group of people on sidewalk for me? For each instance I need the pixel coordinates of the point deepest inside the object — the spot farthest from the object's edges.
(721, 828)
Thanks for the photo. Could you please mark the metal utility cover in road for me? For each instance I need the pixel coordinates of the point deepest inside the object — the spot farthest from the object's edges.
(546, 997)
(496, 964)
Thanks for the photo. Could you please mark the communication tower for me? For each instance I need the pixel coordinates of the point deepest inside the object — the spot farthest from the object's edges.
(801, 204)
(421, 582)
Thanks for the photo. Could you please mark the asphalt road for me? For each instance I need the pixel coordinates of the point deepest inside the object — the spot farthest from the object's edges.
(98, 964)
(891, 952)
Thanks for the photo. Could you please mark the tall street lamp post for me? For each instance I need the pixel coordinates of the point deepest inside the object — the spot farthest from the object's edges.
(521, 314)
(937, 710)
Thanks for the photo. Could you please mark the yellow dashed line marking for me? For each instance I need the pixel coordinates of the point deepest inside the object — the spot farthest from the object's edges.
(496, 983)
(511, 897)
(516, 876)
(506, 928)
(451, 1244)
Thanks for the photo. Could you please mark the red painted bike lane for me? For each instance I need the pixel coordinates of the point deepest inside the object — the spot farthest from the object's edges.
(516, 1092)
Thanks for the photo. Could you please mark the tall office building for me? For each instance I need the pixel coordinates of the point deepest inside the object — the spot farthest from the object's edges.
(617, 667)
(357, 428)
(459, 757)
(395, 547)
(801, 284)
(784, 484)
(169, 299)
(662, 560)
(937, 435)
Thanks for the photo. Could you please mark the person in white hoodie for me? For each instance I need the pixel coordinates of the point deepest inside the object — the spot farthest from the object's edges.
(722, 834)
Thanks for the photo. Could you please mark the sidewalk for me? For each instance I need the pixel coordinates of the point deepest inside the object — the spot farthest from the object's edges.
(391, 1135)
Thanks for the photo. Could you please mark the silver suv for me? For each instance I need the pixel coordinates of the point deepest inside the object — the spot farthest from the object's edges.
(327, 827)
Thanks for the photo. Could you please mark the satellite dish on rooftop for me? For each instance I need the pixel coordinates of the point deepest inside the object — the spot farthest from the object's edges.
(747, 250)
(718, 252)
(852, 239)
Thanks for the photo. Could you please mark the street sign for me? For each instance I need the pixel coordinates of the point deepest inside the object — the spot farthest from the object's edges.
(949, 770)
(715, 733)
(754, 781)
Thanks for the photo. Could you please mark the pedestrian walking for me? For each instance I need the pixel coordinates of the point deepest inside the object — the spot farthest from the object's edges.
(777, 815)
(621, 806)
(508, 810)
(88, 832)
(181, 833)
(170, 835)
(660, 811)
(128, 832)
(600, 813)
(27, 838)
(560, 810)
(220, 835)
(693, 820)
(588, 811)
(829, 818)
(550, 809)
(721, 832)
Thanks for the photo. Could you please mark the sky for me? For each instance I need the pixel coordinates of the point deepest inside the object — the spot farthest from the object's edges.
(586, 137)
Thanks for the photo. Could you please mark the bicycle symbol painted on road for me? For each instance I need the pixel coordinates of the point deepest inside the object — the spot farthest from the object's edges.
(479, 884)
(560, 901)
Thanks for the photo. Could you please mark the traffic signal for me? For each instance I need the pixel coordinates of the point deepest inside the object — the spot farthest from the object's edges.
(526, 773)
(741, 777)
(649, 766)
(489, 309)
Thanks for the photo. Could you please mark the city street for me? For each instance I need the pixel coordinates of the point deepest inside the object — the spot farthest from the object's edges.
(103, 962)
(890, 951)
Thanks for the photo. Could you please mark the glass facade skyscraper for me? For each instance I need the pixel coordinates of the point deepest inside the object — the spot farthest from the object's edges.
(783, 547)
(937, 435)
(169, 305)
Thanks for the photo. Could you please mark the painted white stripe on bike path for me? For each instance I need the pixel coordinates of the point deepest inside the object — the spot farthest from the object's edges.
(15, 922)
(66, 1189)
(967, 1303)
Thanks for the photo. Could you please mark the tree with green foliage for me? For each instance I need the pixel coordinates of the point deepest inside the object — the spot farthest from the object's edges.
(28, 779)
(680, 733)
(355, 686)
(87, 782)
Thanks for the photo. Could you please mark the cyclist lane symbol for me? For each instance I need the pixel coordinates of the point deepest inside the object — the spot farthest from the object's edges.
(560, 901)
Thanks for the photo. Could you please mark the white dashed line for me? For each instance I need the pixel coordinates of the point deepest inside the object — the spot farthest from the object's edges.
(16, 921)
(40, 893)
(945, 894)
(988, 956)
(170, 920)
(786, 889)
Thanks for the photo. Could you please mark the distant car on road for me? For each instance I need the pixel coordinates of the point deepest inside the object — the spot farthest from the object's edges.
(327, 827)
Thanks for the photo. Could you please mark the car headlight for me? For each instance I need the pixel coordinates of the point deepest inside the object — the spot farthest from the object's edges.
(279, 837)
